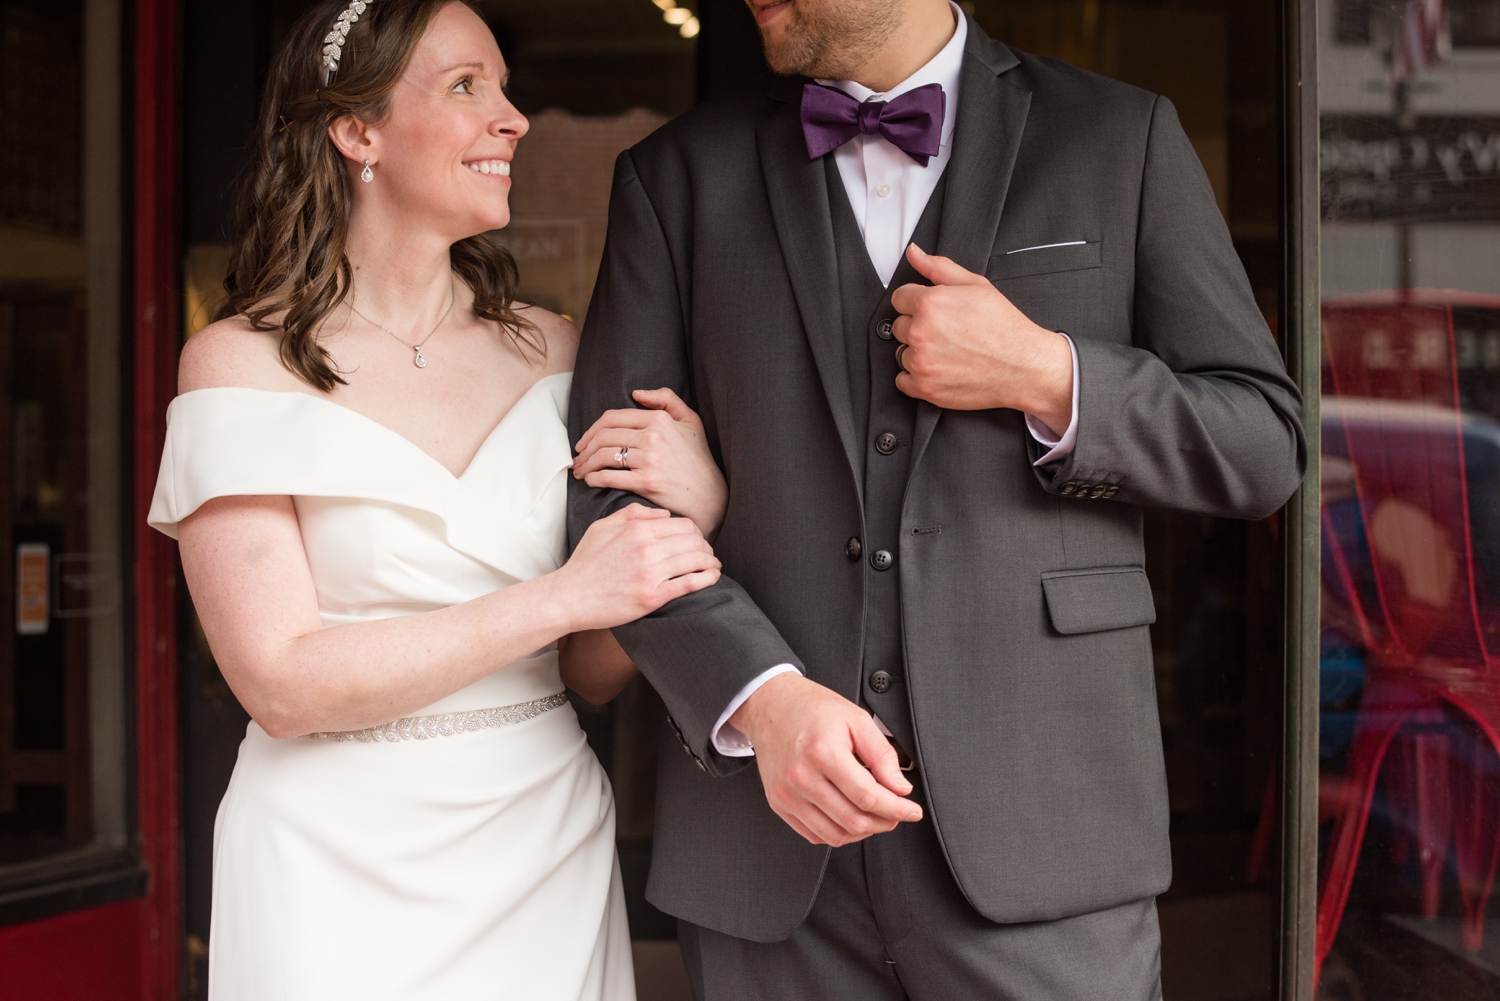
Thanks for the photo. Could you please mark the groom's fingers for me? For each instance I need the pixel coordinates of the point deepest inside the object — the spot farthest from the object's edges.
(825, 828)
(802, 829)
(844, 807)
(941, 270)
(873, 802)
(880, 757)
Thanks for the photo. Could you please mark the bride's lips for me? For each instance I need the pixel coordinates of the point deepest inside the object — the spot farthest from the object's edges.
(765, 13)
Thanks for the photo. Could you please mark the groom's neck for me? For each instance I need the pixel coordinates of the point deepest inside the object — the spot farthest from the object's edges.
(928, 26)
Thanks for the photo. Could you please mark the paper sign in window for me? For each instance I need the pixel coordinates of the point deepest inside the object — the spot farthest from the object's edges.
(84, 585)
(33, 588)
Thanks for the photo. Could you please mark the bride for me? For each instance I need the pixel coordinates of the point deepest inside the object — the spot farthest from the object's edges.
(366, 473)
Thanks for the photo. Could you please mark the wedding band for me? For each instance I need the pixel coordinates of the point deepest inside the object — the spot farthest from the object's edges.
(901, 350)
(621, 456)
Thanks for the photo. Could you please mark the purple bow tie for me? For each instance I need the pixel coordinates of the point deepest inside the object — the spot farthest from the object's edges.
(913, 122)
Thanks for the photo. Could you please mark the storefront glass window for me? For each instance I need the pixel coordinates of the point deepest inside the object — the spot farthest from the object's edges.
(1409, 796)
(62, 646)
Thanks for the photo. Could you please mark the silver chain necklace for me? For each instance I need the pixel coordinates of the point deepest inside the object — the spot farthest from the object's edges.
(420, 361)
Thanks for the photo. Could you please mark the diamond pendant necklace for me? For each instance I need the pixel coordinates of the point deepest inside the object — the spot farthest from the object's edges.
(420, 360)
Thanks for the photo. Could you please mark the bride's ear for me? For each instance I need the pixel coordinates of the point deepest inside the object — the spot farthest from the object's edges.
(355, 140)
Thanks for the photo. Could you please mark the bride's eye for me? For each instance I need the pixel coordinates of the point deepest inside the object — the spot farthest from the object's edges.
(464, 86)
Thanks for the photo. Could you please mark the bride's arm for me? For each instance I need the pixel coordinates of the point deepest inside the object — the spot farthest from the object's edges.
(668, 463)
(248, 574)
(594, 665)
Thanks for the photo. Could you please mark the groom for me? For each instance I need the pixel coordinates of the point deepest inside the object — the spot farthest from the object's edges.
(916, 748)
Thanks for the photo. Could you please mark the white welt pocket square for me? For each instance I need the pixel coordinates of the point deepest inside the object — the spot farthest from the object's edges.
(1046, 258)
(1046, 246)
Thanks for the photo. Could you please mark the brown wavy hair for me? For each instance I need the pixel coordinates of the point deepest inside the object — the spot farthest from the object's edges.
(293, 216)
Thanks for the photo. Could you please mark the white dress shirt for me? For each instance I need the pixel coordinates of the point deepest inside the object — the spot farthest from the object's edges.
(888, 192)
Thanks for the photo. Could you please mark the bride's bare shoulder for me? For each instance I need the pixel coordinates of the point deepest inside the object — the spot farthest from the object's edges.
(233, 353)
(558, 333)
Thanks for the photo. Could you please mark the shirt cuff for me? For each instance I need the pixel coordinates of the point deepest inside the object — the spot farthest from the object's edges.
(1062, 447)
(726, 738)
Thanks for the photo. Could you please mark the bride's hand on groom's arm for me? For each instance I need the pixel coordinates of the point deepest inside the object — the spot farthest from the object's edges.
(628, 565)
(668, 462)
(827, 769)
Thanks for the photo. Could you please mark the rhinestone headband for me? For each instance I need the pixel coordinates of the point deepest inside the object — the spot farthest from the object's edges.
(333, 44)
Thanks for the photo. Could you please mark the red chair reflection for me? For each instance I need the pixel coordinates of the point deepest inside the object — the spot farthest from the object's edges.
(1426, 620)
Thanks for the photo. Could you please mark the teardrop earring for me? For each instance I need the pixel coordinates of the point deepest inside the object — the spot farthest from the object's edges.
(367, 175)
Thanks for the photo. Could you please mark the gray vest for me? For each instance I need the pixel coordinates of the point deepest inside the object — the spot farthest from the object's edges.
(885, 418)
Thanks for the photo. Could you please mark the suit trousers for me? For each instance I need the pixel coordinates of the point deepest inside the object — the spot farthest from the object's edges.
(890, 924)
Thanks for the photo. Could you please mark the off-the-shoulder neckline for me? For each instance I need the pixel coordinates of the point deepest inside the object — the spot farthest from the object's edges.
(365, 418)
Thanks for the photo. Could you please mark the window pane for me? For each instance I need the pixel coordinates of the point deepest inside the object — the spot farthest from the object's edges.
(62, 728)
(1409, 797)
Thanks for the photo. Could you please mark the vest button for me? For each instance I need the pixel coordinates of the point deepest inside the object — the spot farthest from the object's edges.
(852, 548)
(885, 444)
(881, 559)
(884, 330)
(880, 682)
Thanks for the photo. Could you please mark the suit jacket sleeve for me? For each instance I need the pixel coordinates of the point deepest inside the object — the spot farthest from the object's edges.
(701, 650)
(1198, 414)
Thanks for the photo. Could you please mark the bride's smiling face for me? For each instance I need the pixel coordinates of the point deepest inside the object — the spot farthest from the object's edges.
(442, 156)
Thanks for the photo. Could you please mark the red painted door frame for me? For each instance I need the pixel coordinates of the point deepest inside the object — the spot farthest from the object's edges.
(156, 320)
(131, 951)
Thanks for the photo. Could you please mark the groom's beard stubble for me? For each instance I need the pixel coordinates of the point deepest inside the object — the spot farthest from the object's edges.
(831, 39)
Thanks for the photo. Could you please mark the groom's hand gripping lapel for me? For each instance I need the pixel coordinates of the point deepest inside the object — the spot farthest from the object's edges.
(965, 346)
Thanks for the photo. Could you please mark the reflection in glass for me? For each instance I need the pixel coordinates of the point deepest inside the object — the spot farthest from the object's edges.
(1409, 796)
(62, 775)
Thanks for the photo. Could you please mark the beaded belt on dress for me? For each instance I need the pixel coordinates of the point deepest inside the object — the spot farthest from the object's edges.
(449, 724)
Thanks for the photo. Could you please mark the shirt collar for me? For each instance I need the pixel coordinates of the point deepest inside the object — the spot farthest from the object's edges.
(945, 69)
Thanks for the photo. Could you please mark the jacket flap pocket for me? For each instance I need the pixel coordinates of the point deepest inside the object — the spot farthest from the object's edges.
(1045, 260)
(1100, 598)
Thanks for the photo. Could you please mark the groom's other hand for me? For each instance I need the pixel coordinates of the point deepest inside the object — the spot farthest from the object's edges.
(967, 347)
(827, 769)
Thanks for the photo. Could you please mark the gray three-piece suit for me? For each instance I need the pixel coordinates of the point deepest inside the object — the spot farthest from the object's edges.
(993, 614)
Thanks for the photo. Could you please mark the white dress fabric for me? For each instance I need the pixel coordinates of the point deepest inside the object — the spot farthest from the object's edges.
(475, 865)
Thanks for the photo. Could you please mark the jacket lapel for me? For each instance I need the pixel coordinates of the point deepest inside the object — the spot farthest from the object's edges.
(798, 193)
(986, 139)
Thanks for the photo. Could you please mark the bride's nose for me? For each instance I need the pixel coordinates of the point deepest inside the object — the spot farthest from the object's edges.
(509, 124)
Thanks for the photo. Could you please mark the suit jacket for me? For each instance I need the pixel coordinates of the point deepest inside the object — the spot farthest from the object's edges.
(1024, 601)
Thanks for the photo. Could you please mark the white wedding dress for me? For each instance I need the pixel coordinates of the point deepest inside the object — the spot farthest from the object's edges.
(460, 854)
